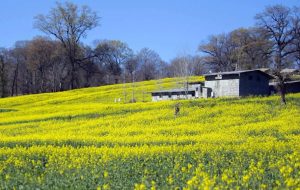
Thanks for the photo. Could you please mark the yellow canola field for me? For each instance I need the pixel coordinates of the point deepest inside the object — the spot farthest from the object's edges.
(82, 139)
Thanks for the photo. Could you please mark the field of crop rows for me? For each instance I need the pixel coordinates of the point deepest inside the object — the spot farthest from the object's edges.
(82, 139)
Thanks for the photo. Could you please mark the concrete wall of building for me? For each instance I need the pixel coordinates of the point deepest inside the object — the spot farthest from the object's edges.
(156, 98)
(159, 98)
(197, 88)
(174, 97)
(254, 83)
(206, 92)
(224, 88)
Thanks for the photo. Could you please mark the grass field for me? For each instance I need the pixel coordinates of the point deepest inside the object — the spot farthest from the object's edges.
(82, 139)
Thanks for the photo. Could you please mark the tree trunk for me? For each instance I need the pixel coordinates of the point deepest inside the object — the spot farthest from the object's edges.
(43, 85)
(53, 79)
(3, 80)
(280, 77)
(73, 85)
(283, 100)
(282, 91)
(15, 82)
(132, 85)
(124, 88)
(87, 79)
(72, 59)
(281, 85)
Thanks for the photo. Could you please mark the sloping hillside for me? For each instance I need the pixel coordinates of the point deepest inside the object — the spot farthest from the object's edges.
(83, 139)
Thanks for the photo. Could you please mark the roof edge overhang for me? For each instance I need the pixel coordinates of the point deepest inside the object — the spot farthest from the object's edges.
(238, 73)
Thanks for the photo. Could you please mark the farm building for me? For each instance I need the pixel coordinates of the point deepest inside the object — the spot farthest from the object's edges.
(193, 90)
(238, 83)
(229, 84)
(290, 87)
(225, 84)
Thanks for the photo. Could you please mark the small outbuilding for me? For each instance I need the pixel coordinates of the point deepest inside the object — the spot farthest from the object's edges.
(290, 87)
(238, 83)
(223, 84)
(193, 90)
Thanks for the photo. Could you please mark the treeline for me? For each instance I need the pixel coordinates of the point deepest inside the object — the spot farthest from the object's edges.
(41, 65)
(60, 61)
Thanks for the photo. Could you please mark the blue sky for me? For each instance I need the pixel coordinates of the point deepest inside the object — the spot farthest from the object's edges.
(170, 27)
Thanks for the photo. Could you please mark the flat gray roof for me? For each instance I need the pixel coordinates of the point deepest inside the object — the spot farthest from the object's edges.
(237, 72)
(289, 71)
(287, 82)
(174, 90)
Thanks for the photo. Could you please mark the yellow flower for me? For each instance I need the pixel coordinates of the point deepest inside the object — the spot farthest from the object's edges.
(246, 178)
(190, 182)
(224, 177)
(106, 187)
(105, 174)
(170, 180)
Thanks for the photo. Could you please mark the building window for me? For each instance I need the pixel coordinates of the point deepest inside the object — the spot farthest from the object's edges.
(250, 77)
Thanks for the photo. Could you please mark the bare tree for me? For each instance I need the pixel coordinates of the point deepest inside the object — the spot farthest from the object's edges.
(253, 50)
(187, 64)
(3, 72)
(239, 49)
(42, 56)
(113, 54)
(69, 24)
(182, 68)
(277, 23)
(20, 82)
(149, 64)
(131, 66)
(296, 23)
(219, 51)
